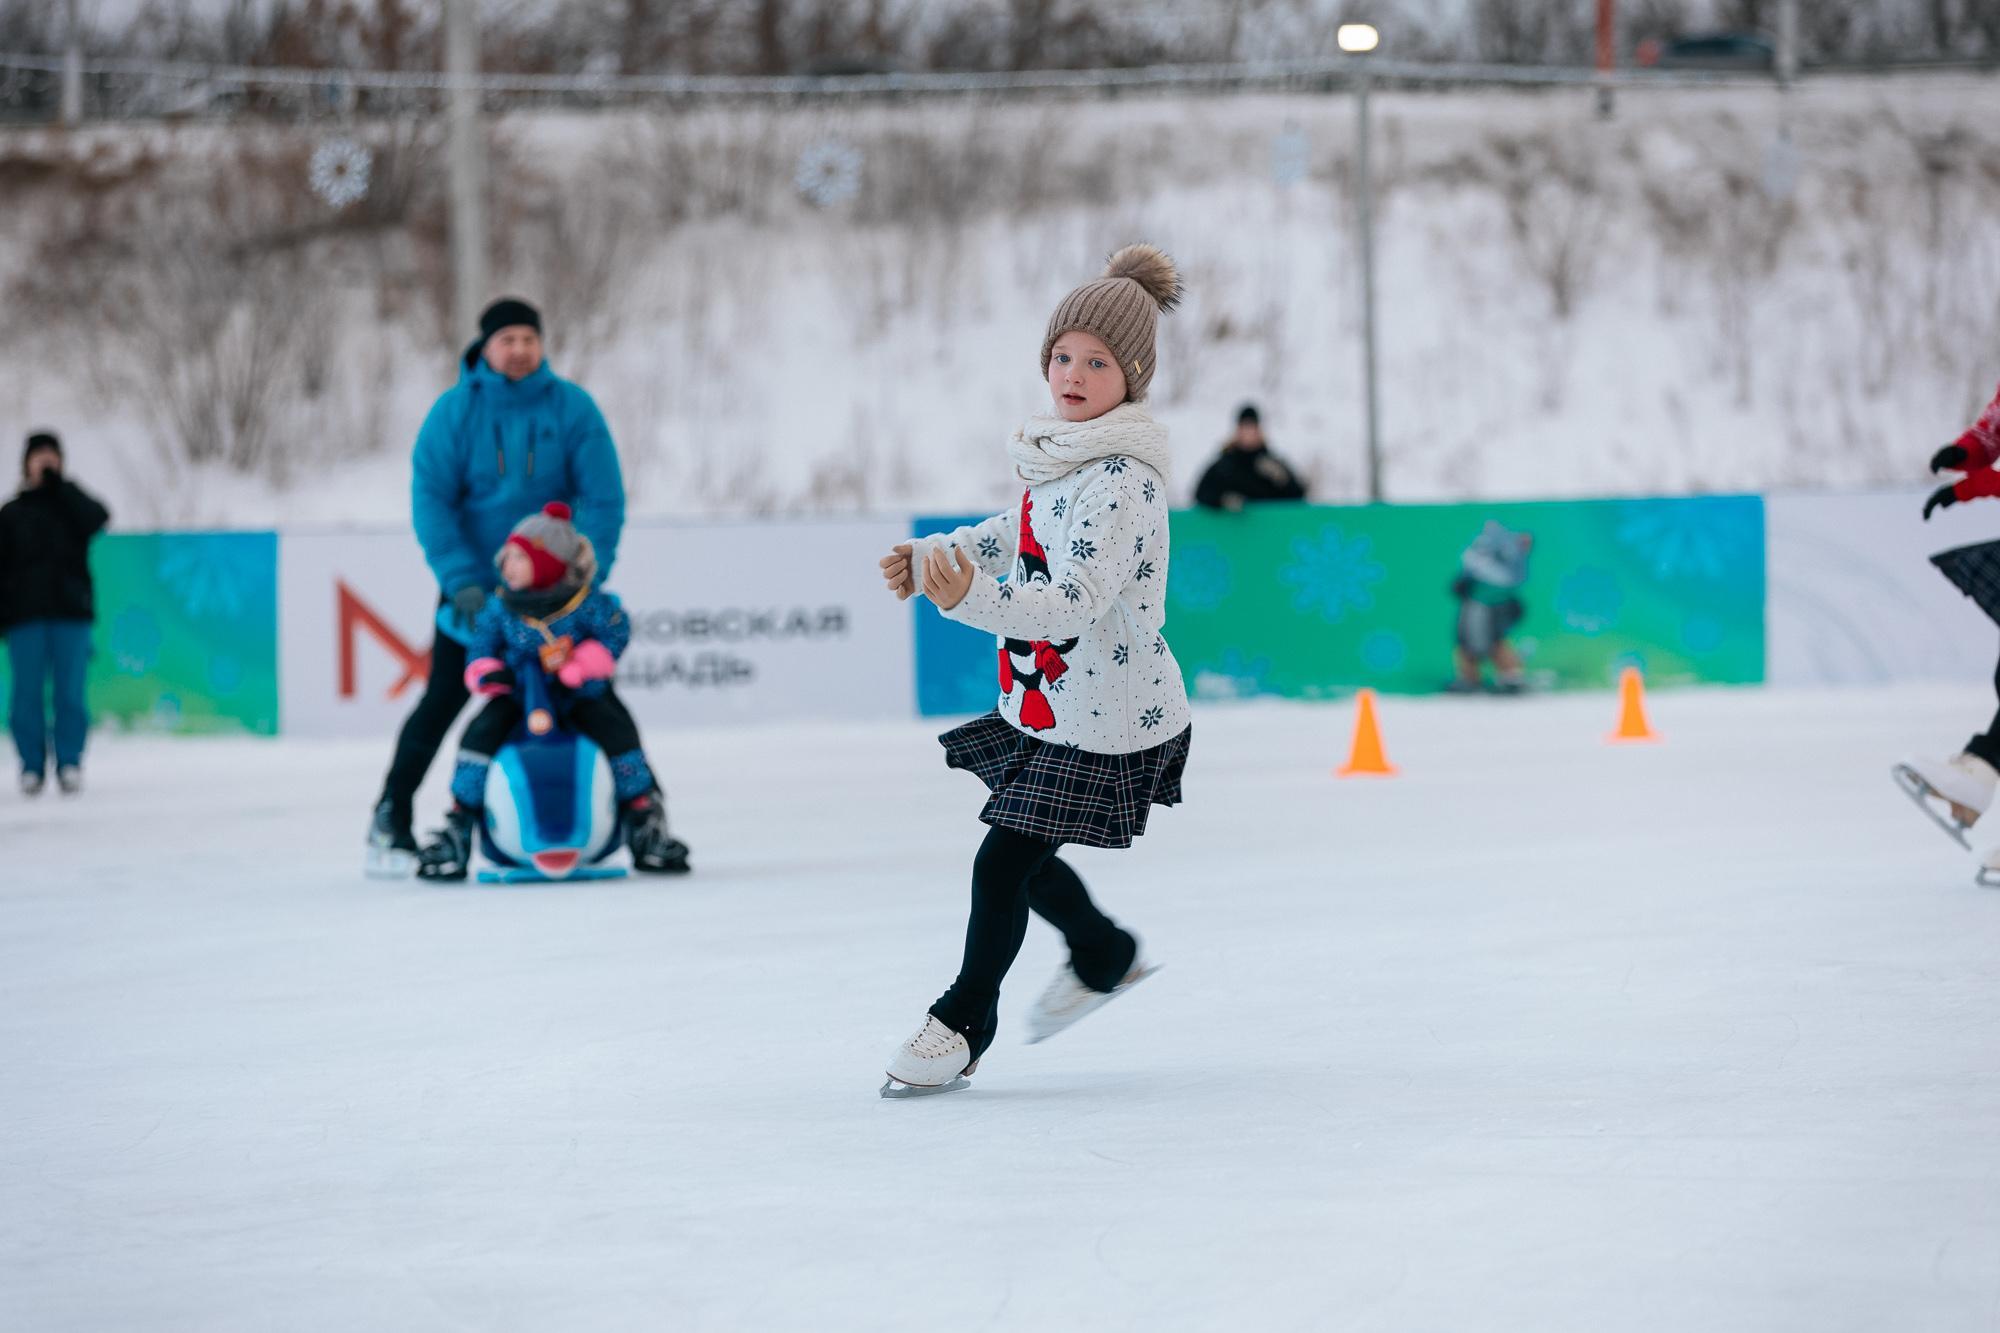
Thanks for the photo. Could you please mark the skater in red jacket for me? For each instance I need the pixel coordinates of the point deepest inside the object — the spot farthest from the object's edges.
(1957, 791)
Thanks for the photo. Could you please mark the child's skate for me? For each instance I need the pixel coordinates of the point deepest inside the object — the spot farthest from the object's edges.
(448, 855)
(1953, 792)
(935, 1059)
(1067, 999)
(654, 850)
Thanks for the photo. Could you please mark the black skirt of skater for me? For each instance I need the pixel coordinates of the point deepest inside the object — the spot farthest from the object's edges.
(1063, 794)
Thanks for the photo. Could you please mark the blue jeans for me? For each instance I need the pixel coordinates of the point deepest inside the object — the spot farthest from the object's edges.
(41, 653)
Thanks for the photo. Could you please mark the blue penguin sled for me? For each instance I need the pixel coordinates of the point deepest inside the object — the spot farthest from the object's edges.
(551, 812)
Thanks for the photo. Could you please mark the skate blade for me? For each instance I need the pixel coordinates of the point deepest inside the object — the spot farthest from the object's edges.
(897, 1091)
(388, 863)
(1911, 784)
(1987, 877)
(1102, 999)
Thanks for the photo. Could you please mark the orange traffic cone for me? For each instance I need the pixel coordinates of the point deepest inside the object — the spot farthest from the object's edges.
(1366, 758)
(1632, 724)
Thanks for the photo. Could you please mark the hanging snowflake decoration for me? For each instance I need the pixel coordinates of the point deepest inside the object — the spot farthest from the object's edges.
(340, 172)
(829, 172)
(1289, 153)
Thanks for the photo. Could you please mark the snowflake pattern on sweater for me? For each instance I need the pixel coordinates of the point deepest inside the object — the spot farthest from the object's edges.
(1083, 558)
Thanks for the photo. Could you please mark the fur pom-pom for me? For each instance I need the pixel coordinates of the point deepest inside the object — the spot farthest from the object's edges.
(1149, 266)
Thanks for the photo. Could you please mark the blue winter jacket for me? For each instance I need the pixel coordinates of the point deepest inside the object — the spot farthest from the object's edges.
(498, 632)
(493, 451)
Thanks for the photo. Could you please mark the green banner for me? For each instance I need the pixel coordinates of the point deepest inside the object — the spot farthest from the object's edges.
(186, 638)
(1309, 601)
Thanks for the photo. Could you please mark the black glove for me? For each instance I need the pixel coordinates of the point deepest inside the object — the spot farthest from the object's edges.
(1951, 456)
(1941, 498)
(499, 676)
(467, 603)
(1461, 587)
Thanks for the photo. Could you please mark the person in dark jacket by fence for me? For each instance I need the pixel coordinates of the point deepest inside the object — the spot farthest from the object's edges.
(46, 609)
(1247, 471)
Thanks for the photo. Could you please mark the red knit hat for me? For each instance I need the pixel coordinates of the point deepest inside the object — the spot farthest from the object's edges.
(555, 549)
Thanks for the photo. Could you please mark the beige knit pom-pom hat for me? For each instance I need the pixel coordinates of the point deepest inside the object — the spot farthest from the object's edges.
(1123, 308)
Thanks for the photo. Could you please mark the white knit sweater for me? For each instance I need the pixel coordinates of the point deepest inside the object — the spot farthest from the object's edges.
(1082, 660)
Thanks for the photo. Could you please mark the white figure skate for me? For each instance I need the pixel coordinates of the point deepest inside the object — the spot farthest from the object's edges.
(935, 1059)
(1954, 793)
(1067, 999)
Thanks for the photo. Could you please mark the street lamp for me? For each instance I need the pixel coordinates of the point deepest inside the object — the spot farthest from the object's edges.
(1359, 39)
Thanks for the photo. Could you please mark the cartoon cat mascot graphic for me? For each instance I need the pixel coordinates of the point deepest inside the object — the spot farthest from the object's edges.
(1034, 664)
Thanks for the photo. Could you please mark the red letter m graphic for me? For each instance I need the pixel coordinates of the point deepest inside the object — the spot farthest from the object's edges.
(356, 614)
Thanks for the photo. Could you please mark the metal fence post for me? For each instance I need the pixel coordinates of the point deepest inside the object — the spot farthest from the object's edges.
(1365, 190)
(467, 148)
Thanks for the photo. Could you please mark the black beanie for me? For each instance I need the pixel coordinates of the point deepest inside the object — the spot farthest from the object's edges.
(1248, 416)
(505, 313)
(41, 439)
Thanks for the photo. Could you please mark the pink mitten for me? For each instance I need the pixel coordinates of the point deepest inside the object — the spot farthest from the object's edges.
(476, 673)
(589, 660)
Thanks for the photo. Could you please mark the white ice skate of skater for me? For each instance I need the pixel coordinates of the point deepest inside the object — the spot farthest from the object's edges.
(935, 1059)
(1954, 792)
(1067, 999)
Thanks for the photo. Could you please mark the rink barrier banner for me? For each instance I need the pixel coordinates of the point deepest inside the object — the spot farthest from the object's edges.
(731, 623)
(328, 632)
(1312, 601)
(186, 634)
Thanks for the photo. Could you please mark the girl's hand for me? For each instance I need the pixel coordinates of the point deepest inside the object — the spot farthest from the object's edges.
(589, 660)
(896, 572)
(947, 577)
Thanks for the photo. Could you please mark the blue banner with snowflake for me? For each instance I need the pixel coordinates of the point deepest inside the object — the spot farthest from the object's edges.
(956, 669)
(1313, 601)
(186, 638)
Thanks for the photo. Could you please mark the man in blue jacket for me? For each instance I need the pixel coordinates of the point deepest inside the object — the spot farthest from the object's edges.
(508, 438)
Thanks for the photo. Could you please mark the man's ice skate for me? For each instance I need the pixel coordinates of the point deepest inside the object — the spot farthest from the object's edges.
(1954, 792)
(935, 1059)
(31, 784)
(392, 847)
(1067, 999)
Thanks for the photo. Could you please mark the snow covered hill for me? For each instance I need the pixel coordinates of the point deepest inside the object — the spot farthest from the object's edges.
(1678, 300)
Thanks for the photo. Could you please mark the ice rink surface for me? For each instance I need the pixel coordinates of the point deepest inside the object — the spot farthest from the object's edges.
(1542, 1035)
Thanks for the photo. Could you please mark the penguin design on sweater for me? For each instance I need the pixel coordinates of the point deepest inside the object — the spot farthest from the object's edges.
(1033, 663)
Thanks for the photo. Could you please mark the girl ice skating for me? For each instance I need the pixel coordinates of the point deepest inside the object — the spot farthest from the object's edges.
(548, 620)
(1092, 725)
(1957, 791)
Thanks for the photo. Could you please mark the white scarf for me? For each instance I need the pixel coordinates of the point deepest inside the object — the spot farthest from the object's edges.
(1046, 448)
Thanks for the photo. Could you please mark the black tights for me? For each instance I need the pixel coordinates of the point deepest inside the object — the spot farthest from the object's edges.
(1987, 744)
(1012, 874)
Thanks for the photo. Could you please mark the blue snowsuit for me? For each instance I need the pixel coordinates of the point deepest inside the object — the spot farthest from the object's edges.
(493, 450)
(500, 633)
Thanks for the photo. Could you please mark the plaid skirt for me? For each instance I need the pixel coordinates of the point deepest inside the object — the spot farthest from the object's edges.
(1975, 570)
(1063, 794)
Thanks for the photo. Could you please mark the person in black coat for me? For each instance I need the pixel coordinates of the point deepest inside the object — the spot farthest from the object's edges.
(1247, 471)
(46, 608)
